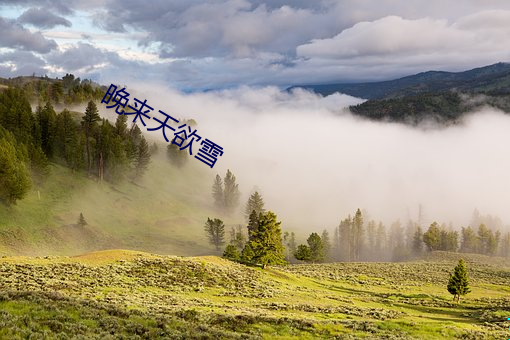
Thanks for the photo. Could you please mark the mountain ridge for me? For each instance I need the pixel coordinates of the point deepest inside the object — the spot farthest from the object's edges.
(491, 78)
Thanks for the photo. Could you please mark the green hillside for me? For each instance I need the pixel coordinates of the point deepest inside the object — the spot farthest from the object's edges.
(137, 295)
(434, 96)
(164, 213)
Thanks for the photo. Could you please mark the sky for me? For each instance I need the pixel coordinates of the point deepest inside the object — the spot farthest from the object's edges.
(194, 45)
(224, 63)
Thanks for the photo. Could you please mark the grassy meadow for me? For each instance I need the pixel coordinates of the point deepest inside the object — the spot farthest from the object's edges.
(136, 295)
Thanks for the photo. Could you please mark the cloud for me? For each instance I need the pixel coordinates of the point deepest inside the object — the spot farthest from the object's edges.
(80, 56)
(220, 44)
(21, 62)
(478, 39)
(315, 163)
(42, 18)
(15, 36)
(60, 6)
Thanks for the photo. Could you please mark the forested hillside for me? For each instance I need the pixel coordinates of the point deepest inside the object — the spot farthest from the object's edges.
(72, 181)
(443, 97)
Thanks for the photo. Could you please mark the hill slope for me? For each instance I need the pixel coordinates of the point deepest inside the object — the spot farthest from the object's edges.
(133, 294)
(164, 213)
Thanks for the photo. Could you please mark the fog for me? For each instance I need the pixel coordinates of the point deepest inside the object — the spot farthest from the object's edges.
(315, 163)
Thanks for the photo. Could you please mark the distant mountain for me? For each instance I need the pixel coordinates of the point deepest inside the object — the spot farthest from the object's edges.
(493, 79)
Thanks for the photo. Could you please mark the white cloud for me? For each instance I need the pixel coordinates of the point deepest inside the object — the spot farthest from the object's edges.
(427, 41)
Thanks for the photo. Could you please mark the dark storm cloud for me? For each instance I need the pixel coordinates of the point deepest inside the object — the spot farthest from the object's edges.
(42, 18)
(16, 36)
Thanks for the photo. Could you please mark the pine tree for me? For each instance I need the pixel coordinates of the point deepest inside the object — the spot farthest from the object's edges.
(255, 203)
(470, 242)
(231, 253)
(231, 192)
(326, 243)
(143, 158)
(247, 254)
(237, 237)
(345, 233)
(458, 283)
(217, 193)
(266, 241)
(289, 239)
(371, 238)
(14, 176)
(357, 233)
(316, 247)
(432, 237)
(66, 139)
(418, 241)
(381, 246)
(336, 245)
(505, 245)
(253, 224)
(46, 118)
(303, 253)
(176, 156)
(215, 231)
(89, 122)
(81, 221)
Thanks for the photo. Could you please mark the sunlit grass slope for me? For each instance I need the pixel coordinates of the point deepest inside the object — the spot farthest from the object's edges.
(165, 213)
(130, 294)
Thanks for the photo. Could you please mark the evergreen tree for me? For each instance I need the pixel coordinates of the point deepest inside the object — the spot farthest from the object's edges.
(217, 193)
(303, 253)
(326, 243)
(345, 231)
(371, 237)
(487, 240)
(357, 234)
(289, 239)
(336, 245)
(14, 175)
(46, 118)
(505, 245)
(176, 156)
(266, 241)
(237, 237)
(432, 237)
(253, 224)
(121, 126)
(381, 239)
(316, 247)
(247, 254)
(418, 241)
(451, 242)
(232, 253)
(66, 138)
(89, 122)
(255, 203)
(231, 192)
(469, 241)
(215, 231)
(143, 158)
(458, 283)
(81, 221)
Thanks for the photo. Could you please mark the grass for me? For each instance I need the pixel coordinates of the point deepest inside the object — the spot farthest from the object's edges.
(132, 294)
(164, 212)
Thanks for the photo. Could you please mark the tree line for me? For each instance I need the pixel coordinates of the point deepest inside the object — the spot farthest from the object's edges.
(357, 240)
(30, 140)
(354, 239)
